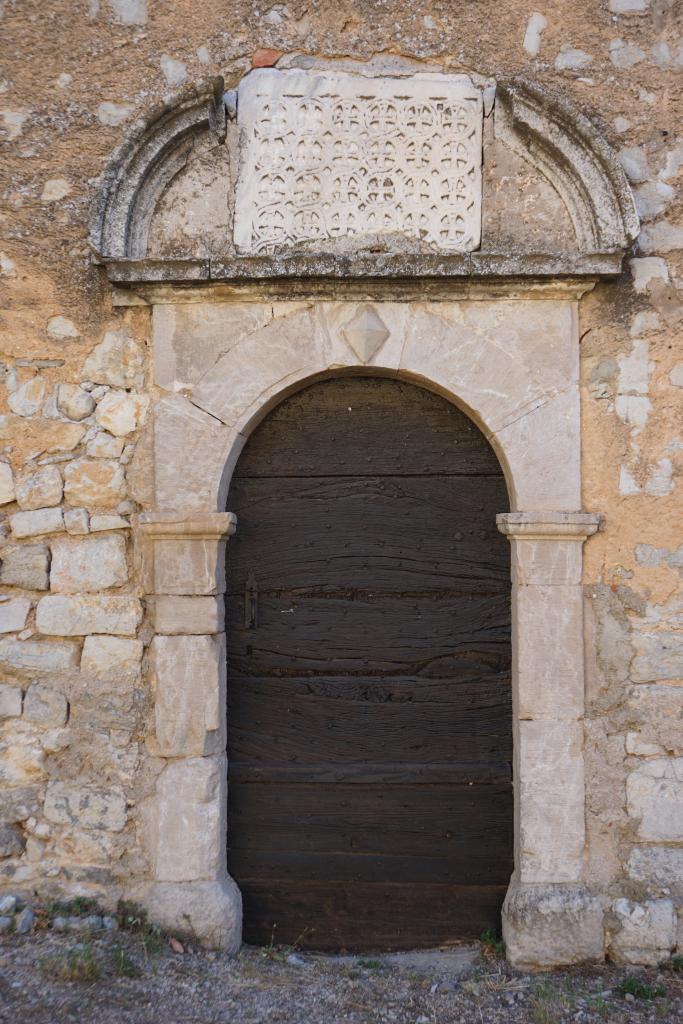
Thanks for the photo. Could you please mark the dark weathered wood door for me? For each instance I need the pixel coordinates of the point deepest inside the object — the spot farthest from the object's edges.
(369, 714)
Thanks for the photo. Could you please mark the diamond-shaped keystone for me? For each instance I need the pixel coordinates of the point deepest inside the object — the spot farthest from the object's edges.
(366, 332)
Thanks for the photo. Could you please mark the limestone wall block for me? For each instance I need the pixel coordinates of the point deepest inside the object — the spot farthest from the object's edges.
(62, 615)
(42, 489)
(92, 564)
(118, 360)
(659, 711)
(11, 843)
(105, 446)
(549, 633)
(76, 521)
(189, 681)
(658, 867)
(25, 566)
(111, 657)
(43, 705)
(73, 402)
(37, 522)
(11, 699)
(13, 614)
(654, 797)
(87, 807)
(108, 521)
(188, 615)
(550, 792)
(210, 912)
(642, 933)
(121, 413)
(189, 839)
(28, 399)
(94, 482)
(17, 803)
(7, 492)
(34, 656)
(190, 452)
(659, 656)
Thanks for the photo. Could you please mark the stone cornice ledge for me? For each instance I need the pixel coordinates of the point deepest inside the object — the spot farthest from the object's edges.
(549, 525)
(177, 525)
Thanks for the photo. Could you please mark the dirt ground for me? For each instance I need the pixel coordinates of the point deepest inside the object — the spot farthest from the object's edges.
(127, 978)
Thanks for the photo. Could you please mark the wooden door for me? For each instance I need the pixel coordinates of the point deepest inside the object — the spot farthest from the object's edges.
(369, 712)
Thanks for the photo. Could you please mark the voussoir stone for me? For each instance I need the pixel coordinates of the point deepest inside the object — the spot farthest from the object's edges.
(88, 807)
(96, 482)
(62, 615)
(25, 566)
(94, 563)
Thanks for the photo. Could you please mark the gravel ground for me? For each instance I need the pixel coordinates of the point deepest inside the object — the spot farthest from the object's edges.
(123, 978)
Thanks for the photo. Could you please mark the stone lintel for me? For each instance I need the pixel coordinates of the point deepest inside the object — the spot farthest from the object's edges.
(198, 526)
(549, 526)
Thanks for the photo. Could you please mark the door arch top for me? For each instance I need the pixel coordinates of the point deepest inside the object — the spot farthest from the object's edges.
(512, 366)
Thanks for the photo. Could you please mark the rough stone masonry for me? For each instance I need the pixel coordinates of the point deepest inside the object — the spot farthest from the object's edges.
(93, 749)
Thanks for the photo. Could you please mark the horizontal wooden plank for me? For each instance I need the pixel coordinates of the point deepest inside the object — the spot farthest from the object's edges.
(391, 533)
(341, 721)
(365, 773)
(385, 633)
(436, 820)
(485, 867)
(365, 917)
(366, 426)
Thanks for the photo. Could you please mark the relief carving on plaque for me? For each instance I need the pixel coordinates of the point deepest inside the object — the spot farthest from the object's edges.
(327, 157)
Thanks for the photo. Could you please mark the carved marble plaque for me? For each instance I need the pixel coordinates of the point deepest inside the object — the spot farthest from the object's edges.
(327, 157)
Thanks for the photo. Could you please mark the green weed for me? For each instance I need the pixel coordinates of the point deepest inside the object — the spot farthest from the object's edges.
(640, 989)
(77, 964)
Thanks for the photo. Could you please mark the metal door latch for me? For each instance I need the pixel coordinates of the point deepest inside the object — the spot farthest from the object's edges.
(251, 603)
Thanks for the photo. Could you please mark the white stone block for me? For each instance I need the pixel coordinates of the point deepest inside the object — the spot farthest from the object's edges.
(11, 698)
(13, 614)
(658, 867)
(208, 912)
(86, 807)
(118, 360)
(6, 484)
(104, 446)
(92, 564)
(189, 680)
(25, 566)
(32, 657)
(552, 925)
(548, 626)
(77, 521)
(61, 615)
(191, 803)
(550, 794)
(654, 797)
(188, 615)
(188, 566)
(111, 657)
(35, 523)
(28, 399)
(546, 562)
(282, 108)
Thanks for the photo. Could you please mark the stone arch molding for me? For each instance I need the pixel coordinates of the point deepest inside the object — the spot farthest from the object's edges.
(512, 365)
(554, 138)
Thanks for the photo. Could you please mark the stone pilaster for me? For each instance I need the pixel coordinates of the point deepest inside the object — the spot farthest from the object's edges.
(182, 561)
(549, 917)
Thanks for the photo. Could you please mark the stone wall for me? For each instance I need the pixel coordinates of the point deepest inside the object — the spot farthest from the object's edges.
(77, 767)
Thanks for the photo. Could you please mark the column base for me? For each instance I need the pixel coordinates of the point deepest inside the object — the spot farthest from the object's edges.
(208, 912)
(552, 925)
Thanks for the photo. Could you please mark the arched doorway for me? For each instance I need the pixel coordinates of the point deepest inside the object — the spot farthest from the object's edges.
(369, 704)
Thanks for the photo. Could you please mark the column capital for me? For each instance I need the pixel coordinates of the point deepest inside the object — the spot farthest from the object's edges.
(576, 526)
(192, 526)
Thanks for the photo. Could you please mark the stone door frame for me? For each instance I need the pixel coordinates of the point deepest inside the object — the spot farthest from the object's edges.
(511, 363)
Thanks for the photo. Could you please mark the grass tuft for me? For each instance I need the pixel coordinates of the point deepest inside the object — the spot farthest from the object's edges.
(639, 989)
(77, 964)
(492, 946)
